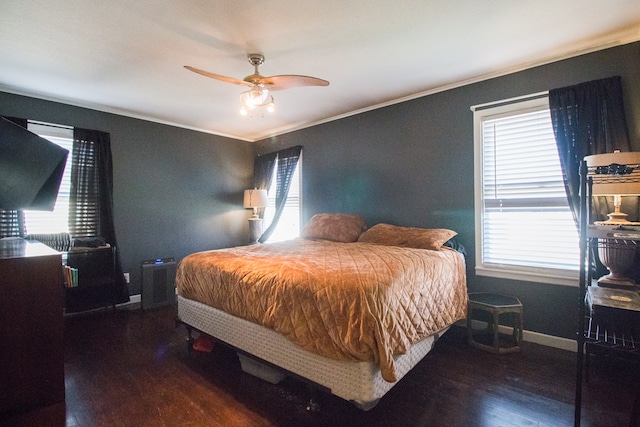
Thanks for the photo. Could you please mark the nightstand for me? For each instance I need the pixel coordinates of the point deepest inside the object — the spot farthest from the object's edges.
(495, 305)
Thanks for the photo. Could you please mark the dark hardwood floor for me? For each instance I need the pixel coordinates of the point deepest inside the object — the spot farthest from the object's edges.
(132, 368)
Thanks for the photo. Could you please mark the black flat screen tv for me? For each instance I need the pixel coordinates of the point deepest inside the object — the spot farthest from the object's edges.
(31, 169)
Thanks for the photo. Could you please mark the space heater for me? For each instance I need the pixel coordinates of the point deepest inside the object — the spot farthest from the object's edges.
(158, 282)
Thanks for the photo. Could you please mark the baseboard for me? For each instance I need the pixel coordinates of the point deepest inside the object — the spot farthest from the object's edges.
(550, 340)
(530, 336)
(134, 302)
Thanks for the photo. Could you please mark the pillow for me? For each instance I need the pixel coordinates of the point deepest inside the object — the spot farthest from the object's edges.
(409, 237)
(455, 244)
(335, 227)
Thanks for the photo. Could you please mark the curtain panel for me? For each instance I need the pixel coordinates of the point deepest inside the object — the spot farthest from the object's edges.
(287, 161)
(91, 198)
(263, 170)
(12, 221)
(262, 173)
(587, 118)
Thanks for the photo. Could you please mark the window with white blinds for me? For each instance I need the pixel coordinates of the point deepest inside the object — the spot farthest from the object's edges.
(45, 222)
(525, 228)
(289, 224)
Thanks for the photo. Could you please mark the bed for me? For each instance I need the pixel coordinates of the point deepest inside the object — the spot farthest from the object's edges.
(349, 309)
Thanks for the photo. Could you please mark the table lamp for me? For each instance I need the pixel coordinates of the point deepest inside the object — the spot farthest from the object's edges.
(254, 199)
(616, 174)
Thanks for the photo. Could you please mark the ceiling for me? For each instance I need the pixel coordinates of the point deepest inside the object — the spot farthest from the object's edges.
(127, 57)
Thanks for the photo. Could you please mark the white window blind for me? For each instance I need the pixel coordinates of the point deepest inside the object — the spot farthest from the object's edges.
(37, 222)
(289, 224)
(527, 231)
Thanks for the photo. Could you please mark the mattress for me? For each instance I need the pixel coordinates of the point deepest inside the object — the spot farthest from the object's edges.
(345, 301)
(360, 382)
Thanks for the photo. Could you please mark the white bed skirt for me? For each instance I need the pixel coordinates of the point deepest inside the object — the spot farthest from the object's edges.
(358, 382)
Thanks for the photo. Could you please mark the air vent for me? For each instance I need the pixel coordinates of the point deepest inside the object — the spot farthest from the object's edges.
(158, 282)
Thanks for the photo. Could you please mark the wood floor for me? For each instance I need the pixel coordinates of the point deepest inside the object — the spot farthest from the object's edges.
(132, 368)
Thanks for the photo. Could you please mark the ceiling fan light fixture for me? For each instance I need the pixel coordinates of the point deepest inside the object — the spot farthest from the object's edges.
(257, 96)
(271, 106)
(254, 97)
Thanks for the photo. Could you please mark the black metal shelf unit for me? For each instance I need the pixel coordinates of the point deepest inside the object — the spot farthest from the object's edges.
(607, 319)
(96, 279)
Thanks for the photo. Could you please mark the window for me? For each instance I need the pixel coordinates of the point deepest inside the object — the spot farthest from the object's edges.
(289, 225)
(524, 227)
(37, 222)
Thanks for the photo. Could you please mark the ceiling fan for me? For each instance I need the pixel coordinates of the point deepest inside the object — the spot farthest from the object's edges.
(257, 94)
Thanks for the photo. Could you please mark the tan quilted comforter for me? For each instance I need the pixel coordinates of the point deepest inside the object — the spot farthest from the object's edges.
(355, 301)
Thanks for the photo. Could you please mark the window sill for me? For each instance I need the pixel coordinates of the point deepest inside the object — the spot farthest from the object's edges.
(559, 277)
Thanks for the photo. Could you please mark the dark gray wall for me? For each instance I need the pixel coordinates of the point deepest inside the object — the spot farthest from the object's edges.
(412, 164)
(176, 191)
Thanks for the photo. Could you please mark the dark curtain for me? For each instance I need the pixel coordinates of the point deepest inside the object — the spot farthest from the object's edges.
(587, 118)
(91, 198)
(287, 162)
(262, 173)
(263, 170)
(12, 221)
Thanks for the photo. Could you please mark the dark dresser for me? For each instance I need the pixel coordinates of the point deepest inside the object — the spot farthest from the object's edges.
(31, 335)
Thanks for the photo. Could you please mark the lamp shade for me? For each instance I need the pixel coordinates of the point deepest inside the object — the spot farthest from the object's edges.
(615, 174)
(255, 198)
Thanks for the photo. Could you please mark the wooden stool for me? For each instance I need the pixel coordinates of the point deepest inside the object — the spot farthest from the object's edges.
(495, 305)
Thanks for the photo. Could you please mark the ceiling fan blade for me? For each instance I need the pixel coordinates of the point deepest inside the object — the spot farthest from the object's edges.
(289, 81)
(217, 76)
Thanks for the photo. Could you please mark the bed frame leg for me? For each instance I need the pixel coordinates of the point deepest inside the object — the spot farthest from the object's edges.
(189, 336)
(312, 405)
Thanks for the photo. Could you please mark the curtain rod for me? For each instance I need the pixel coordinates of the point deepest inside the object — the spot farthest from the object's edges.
(509, 101)
(51, 125)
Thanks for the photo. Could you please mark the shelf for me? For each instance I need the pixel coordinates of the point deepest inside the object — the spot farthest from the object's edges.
(96, 279)
(627, 302)
(609, 317)
(614, 318)
(624, 232)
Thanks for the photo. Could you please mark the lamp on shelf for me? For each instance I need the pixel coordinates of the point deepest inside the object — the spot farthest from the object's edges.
(616, 174)
(254, 199)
